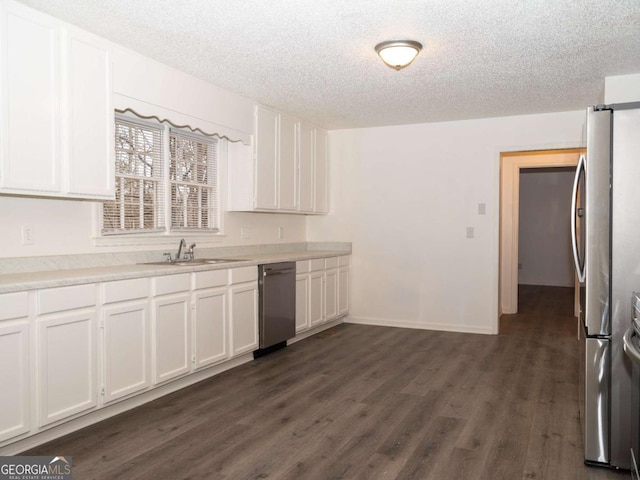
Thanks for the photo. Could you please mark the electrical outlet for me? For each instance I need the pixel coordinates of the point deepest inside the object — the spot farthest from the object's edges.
(280, 233)
(470, 232)
(28, 235)
(245, 233)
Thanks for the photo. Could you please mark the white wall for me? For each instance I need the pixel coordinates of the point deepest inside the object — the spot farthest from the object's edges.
(404, 195)
(66, 227)
(544, 245)
(622, 89)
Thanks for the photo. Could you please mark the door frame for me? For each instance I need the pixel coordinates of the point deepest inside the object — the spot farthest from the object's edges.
(510, 165)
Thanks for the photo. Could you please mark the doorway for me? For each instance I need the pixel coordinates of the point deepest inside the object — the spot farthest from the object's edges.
(511, 163)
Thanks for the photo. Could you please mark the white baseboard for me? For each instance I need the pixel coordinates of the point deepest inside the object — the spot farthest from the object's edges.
(445, 327)
(314, 330)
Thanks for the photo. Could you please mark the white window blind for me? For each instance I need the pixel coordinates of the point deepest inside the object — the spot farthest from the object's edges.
(166, 179)
(138, 204)
(193, 182)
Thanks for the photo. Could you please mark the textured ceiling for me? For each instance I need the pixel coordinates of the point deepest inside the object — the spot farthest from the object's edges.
(315, 58)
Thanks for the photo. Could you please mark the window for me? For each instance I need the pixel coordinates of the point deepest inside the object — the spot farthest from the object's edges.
(139, 179)
(193, 182)
(146, 199)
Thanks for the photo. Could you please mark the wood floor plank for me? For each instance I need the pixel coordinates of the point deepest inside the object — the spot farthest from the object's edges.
(365, 402)
(434, 449)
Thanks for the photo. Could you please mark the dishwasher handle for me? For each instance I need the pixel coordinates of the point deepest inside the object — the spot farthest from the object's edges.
(270, 273)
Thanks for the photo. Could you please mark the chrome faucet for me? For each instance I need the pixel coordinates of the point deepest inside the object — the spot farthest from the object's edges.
(190, 253)
(182, 244)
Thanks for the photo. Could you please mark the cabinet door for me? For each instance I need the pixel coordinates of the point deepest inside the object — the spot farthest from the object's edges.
(266, 153)
(343, 290)
(331, 294)
(288, 165)
(210, 327)
(302, 303)
(67, 366)
(30, 100)
(171, 337)
(306, 191)
(88, 126)
(321, 172)
(14, 378)
(244, 318)
(126, 350)
(316, 298)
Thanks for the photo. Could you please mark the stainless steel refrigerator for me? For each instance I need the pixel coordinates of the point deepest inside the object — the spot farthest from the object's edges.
(606, 243)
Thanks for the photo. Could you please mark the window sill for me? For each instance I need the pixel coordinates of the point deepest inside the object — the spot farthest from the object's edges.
(157, 239)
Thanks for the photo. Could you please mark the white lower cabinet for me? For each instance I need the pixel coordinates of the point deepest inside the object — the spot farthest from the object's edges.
(148, 331)
(14, 365)
(67, 365)
(172, 337)
(66, 352)
(210, 317)
(244, 318)
(330, 294)
(243, 311)
(344, 284)
(171, 327)
(303, 317)
(316, 298)
(322, 291)
(210, 327)
(126, 350)
(126, 338)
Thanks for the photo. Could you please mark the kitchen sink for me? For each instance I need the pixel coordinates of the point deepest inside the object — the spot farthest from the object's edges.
(195, 262)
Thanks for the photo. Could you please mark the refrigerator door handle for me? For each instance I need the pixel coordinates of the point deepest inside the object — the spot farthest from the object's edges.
(580, 271)
(629, 348)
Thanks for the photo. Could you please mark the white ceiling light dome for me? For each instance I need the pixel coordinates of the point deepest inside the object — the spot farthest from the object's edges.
(398, 54)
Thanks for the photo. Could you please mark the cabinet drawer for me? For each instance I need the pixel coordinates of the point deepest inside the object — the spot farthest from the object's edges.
(66, 298)
(14, 305)
(171, 284)
(302, 266)
(317, 264)
(243, 274)
(213, 278)
(344, 261)
(123, 290)
(331, 262)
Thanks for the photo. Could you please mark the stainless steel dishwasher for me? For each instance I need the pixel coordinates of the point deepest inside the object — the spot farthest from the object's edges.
(277, 310)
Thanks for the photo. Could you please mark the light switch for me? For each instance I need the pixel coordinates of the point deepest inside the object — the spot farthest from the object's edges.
(28, 235)
(482, 209)
(470, 232)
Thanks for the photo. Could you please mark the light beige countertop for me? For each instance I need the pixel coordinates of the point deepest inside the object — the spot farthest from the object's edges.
(14, 282)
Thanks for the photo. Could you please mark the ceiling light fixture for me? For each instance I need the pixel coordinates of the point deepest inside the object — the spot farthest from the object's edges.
(398, 53)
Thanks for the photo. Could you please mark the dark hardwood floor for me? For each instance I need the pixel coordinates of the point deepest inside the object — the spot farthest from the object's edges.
(364, 402)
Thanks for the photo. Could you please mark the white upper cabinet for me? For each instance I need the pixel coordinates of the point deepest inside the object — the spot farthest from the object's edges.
(266, 159)
(276, 162)
(288, 165)
(88, 127)
(284, 175)
(306, 174)
(321, 170)
(56, 125)
(30, 100)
